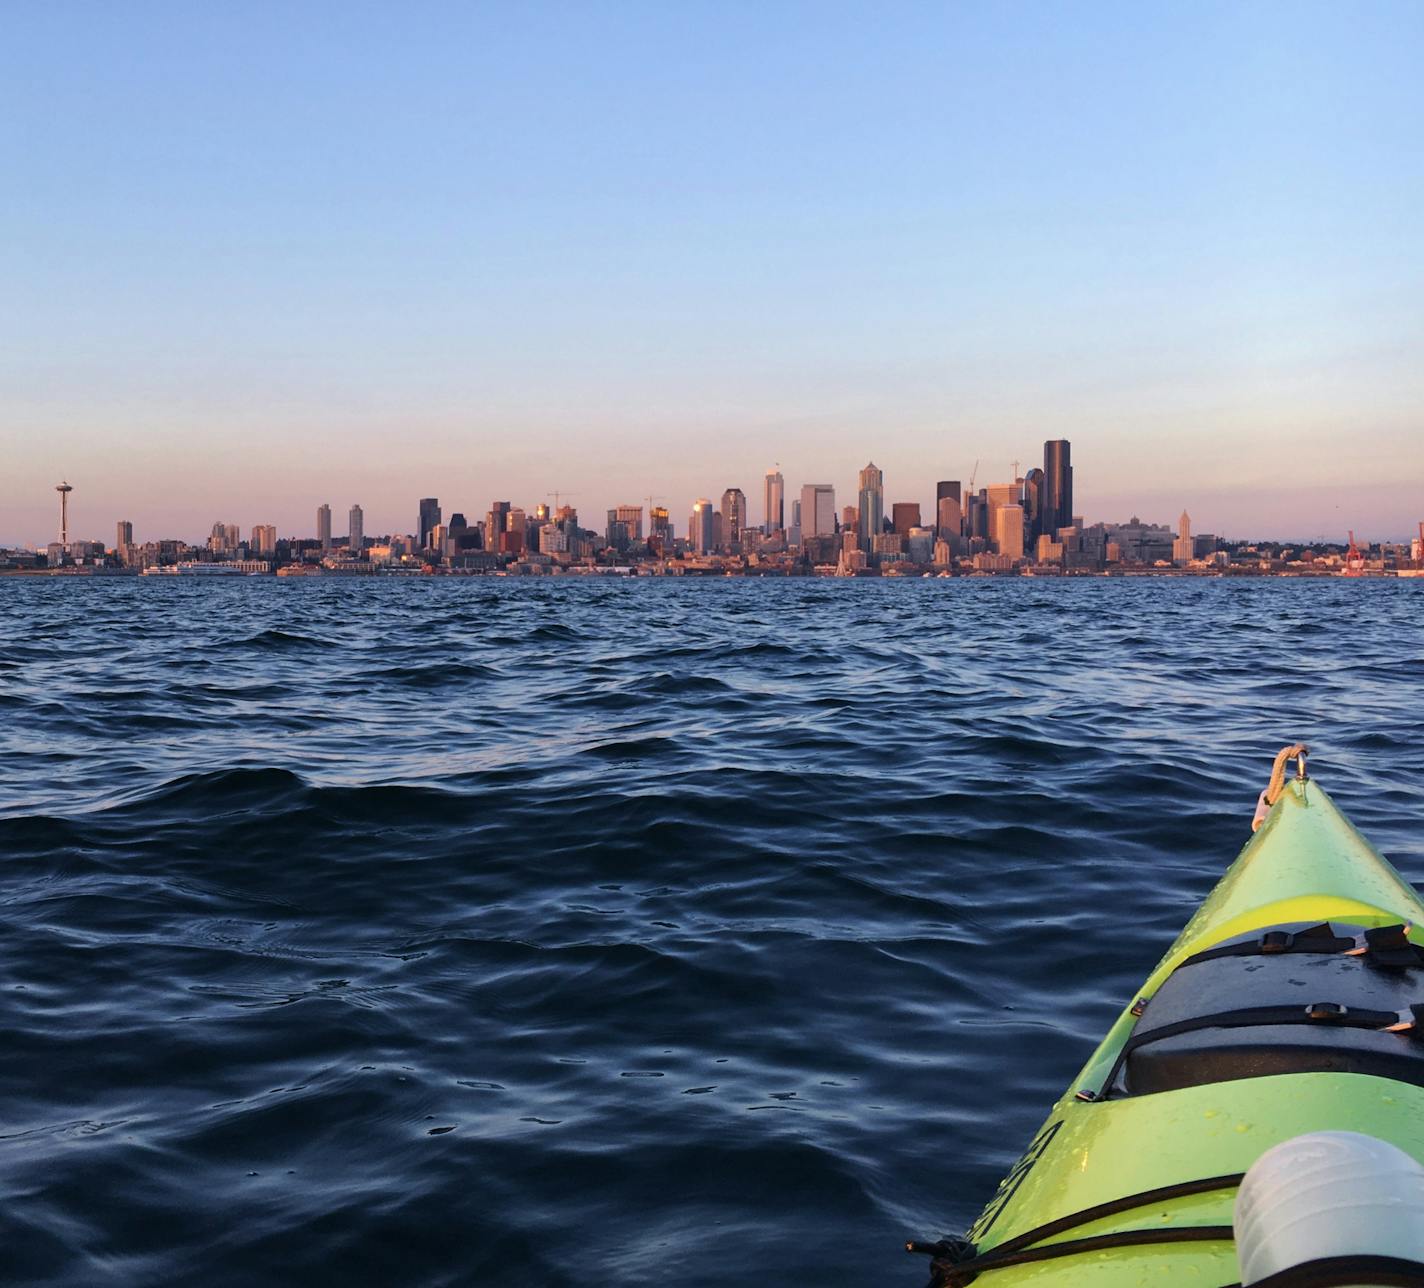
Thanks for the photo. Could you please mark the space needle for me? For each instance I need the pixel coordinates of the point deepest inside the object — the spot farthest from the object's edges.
(64, 490)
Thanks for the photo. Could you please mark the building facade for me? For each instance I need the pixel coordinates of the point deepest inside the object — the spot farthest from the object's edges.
(774, 497)
(1057, 485)
(870, 504)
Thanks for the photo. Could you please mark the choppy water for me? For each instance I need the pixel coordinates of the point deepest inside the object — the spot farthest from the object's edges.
(466, 932)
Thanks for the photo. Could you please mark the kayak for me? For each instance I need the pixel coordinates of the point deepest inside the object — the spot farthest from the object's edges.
(1290, 1005)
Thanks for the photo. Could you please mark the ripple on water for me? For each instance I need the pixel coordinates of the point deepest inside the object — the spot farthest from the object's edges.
(564, 932)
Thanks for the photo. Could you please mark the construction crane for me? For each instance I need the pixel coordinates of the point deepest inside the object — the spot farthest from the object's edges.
(973, 474)
(556, 495)
(1354, 561)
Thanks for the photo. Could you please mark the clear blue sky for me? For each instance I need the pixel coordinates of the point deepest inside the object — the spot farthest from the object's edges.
(258, 256)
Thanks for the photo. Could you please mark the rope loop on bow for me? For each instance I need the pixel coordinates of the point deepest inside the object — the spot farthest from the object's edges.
(1296, 751)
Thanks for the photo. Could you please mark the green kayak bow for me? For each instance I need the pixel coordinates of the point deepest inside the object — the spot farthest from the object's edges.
(1291, 1004)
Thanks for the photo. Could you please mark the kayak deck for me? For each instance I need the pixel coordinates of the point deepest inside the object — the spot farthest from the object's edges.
(1100, 1144)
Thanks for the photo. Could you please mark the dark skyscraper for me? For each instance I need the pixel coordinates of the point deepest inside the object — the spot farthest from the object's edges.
(1033, 505)
(429, 518)
(1057, 485)
(946, 488)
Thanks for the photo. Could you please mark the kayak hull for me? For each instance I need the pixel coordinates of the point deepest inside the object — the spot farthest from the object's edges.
(1307, 864)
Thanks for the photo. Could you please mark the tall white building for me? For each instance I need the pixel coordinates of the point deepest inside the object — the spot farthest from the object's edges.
(323, 526)
(775, 497)
(357, 530)
(700, 533)
(1182, 546)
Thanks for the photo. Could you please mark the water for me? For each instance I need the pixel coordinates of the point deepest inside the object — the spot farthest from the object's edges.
(520, 932)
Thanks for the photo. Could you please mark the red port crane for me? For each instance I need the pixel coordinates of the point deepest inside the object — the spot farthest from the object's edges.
(1354, 560)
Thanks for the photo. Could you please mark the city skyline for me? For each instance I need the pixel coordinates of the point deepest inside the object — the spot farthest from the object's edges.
(247, 275)
(1160, 505)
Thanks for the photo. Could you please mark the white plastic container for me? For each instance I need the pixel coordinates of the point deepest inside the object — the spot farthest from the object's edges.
(1328, 1194)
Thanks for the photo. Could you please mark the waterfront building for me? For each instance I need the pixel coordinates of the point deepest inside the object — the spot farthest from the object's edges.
(1049, 551)
(1057, 485)
(870, 504)
(919, 544)
(429, 519)
(700, 532)
(323, 527)
(905, 515)
(818, 511)
(774, 497)
(793, 534)
(356, 529)
(1138, 542)
(1182, 550)
(734, 517)
(660, 529)
(264, 539)
(124, 536)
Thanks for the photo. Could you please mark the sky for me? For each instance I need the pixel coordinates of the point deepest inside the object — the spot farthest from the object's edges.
(260, 256)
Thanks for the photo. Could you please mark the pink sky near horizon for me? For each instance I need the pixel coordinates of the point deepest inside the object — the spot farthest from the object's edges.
(1285, 495)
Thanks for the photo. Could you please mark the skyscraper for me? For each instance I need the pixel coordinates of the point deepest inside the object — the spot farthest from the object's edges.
(948, 487)
(871, 505)
(699, 527)
(1009, 530)
(905, 515)
(734, 516)
(1057, 485)
(1000, 498)
(323, 527)
(1182, 546)
(357, 531)
(124, 535)
(429, 518)
(496, 522)
(1033, 486)
(775, 497)
(951, 521)
(818, 510)
(264, 539)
